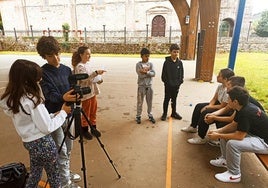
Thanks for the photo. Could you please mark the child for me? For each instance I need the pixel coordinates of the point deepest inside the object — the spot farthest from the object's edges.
(55, 86)
(145, 71)
(248, 132)
(219, 100)
(172, 76)
(22, 101)
(80, 61)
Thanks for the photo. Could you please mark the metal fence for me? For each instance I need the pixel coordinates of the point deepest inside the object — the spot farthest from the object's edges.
(103, 36)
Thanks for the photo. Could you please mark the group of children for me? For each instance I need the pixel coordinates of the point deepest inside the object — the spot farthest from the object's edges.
(172, 77)
(241, 121)
(35, 98)
(241, 125)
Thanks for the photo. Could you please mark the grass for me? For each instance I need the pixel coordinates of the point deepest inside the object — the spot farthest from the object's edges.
(252, 66)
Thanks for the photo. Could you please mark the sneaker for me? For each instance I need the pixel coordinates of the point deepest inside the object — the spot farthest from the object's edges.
(176, 116)
(94, 131)
(218, 162)
(228, 177)
(138, 120)
(189, 129)
(151, 119)
(164, 117)
(215, 143)
(197, 140)
(70, 184)
(75, 177)
(87, 135)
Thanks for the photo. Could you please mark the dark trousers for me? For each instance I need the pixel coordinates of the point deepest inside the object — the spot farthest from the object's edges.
(198, 119)
(171, 92)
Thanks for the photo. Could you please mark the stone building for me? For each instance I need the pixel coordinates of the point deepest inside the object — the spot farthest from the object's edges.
(157, 16)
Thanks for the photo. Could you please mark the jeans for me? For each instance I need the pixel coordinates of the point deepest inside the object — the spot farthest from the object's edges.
(64, 153)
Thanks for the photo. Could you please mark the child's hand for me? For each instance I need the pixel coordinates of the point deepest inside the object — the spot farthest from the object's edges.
(101, 71)
(66, 108)
(143, 71)
(69, 96)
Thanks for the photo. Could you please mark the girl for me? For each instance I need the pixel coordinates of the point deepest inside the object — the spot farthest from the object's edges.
(89, 101)
(23, 102)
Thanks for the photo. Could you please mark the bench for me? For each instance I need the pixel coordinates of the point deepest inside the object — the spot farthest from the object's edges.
(264, 159)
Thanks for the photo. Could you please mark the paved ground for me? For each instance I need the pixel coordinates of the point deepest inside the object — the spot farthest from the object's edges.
(145, 155)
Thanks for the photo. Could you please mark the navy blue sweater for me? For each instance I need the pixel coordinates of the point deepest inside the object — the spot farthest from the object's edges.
(54, 85)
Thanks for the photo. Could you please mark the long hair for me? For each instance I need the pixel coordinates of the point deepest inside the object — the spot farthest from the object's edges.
(76, 58)
(23, 81)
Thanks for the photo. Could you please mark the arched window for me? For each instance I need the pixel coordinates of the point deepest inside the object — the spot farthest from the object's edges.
(227, 27)
(158, 26)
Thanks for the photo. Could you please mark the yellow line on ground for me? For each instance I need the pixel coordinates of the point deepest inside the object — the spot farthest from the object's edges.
(169, 154)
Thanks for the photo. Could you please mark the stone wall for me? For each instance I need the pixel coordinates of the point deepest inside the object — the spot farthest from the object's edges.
(253, 44)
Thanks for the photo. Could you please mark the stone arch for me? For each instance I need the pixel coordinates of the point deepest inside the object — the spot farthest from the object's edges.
(158, 26)
(227, 27)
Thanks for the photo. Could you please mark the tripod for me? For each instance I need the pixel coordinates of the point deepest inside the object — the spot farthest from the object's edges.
(76, 117)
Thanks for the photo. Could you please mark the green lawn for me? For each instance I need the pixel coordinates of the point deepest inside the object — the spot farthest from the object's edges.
(254, 67)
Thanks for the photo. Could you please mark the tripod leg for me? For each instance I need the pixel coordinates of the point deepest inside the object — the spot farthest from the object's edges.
(101, 144)
(110, 160)
(77, 117)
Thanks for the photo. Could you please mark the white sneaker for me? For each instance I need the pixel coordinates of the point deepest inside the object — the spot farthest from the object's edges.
(228, 177)
(197, 140)
(75, 177)
(71, 184)
(215, 143)
(189, 129)
(218, 162)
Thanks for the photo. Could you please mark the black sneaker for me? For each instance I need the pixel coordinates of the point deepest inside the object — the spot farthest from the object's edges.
(95, 131)
(164, 117)
(176, 116)
(87, 135)
(138, 120)
(151, 119)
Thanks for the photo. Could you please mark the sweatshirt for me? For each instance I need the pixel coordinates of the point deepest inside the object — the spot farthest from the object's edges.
(37, 123)
(172, 72)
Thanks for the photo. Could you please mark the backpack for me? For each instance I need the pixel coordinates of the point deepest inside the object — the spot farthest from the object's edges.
(13, 175)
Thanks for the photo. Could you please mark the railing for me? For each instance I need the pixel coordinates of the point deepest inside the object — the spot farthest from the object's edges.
(103, 36)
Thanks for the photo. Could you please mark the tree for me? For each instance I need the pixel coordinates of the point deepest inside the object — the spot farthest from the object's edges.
(262, 26)
(65, 29)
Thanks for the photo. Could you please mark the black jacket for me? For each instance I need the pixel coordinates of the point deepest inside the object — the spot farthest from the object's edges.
(172, 72)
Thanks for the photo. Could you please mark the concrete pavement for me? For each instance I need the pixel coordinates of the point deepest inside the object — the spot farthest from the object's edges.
(146, 155)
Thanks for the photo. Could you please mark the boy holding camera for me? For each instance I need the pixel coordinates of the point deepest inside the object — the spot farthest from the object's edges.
(56, 90)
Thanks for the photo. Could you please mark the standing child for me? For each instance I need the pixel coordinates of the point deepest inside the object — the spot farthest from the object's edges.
(80, 61)
(145, 71)
(22, 101)
(172, 76)
(55, 87)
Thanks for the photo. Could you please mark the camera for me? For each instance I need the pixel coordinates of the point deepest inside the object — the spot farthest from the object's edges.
(78, 89)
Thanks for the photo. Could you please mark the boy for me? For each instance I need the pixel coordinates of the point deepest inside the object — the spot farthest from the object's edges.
(145, 71)
(55, 87)
(219, 100)
(172, 76)
(248, 132)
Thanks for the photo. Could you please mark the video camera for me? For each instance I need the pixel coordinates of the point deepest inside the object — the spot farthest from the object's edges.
(77, 89)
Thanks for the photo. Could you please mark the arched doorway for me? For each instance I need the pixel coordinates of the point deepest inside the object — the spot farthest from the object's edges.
(226, 27)
(158, 26)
